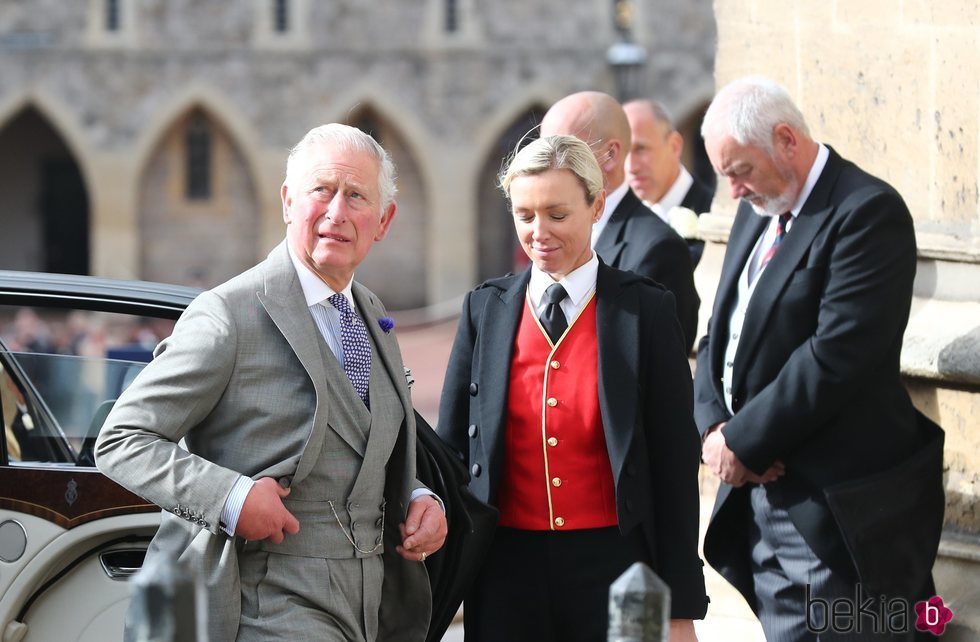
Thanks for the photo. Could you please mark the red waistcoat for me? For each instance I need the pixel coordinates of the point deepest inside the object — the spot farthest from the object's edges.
(556, 473)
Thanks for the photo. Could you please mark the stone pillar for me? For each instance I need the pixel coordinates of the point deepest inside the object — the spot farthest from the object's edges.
(163, 606)
(639, 606)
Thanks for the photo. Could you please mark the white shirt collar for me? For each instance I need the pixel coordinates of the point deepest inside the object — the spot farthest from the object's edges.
(811, 179)
(613, 200)
(675, 195)
(314, 290)
(579, 283)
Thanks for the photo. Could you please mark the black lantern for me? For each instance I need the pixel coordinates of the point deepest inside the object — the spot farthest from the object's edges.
(626, 58)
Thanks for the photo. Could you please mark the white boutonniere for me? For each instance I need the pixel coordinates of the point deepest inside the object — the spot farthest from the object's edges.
(684, 221)
(409, 379)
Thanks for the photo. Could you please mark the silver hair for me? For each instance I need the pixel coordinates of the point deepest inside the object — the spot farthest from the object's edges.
(556, 152)
(749, 109)
(349, 139)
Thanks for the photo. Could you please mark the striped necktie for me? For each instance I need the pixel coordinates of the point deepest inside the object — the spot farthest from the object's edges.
(780, 233)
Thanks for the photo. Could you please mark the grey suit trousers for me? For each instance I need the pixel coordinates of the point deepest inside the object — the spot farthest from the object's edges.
(796, 591)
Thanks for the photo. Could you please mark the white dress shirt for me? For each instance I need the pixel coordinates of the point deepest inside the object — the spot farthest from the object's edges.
(674, 196)
(579, 284)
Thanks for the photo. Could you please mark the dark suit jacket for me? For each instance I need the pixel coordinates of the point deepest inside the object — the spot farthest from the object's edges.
(645, 401)
(637, 240)
(817, 385)
(698, 198)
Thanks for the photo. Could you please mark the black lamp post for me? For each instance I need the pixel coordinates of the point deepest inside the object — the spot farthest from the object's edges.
(626, 58)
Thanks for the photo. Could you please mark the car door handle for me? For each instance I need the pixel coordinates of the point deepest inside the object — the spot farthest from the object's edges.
(122, 563)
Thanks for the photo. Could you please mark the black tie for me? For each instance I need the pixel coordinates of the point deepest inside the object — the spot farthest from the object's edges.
(553, 320)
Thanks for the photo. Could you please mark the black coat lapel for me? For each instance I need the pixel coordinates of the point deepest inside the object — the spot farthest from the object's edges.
(612, 242)
(497, 332)
(617, 328)
(745, 232)
(774, 279)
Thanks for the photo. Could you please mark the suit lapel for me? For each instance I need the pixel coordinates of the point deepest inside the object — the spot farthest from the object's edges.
(745, 232)
(780, 269)
(285, 304)
(495, 344)
(385, 343)
(612, 242)
(618, 336)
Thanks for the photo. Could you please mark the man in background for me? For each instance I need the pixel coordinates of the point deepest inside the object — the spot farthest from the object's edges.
(654, 167)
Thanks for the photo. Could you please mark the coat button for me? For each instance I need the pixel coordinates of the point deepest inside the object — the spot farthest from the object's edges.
(552, 402)
(475, 469)
(472, 430)
(552, 441)
(555, 365)
(559, 521)
(474, 389)
(556, 482)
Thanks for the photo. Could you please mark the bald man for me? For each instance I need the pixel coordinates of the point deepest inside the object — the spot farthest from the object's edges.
(628, 236)
(654, 167)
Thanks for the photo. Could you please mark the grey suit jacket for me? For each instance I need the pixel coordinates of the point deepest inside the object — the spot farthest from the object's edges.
(242, 382)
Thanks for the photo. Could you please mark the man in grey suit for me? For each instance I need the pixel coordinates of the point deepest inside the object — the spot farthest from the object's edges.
(297, 455)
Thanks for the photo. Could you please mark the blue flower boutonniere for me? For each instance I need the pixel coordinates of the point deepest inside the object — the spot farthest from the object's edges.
(386, 323)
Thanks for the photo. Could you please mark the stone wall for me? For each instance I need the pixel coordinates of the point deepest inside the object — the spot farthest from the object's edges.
(445, 97)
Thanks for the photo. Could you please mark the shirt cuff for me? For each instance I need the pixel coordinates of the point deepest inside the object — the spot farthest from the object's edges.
(422, 492)
(233, 504)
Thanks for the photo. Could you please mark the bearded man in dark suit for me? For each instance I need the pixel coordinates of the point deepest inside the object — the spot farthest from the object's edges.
(831, 479)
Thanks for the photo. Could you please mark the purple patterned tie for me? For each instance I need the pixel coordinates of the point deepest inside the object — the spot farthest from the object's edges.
(357, 347)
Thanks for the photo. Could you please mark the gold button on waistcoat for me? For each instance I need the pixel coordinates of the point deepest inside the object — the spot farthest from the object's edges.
(559, 521)
(556, 482)
(555, 365)
(552, 441)
(552, 402)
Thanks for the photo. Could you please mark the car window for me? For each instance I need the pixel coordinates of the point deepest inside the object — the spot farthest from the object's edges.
(60, 372)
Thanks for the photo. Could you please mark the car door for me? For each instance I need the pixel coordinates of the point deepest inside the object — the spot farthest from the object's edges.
(69, 537)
